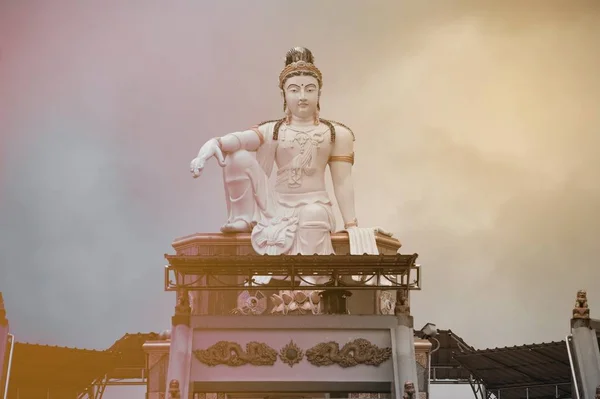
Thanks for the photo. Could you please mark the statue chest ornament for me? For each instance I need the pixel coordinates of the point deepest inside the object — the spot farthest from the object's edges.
(299, 151)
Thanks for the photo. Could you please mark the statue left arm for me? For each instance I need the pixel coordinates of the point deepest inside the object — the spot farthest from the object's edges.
(340, 165)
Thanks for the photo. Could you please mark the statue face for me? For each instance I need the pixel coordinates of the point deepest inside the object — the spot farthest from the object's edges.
(302, 96)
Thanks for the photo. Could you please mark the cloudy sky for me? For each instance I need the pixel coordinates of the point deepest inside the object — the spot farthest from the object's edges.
(477, 131)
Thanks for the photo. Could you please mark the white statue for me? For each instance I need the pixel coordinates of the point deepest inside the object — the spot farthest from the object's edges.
(295, 216)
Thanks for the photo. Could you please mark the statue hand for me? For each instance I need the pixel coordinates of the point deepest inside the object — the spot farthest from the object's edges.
(209, 149)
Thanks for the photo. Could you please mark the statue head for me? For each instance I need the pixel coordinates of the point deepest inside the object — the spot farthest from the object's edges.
(409, 387)
(300, 83)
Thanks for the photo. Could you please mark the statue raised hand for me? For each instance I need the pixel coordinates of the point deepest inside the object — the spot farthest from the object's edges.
(210, 149)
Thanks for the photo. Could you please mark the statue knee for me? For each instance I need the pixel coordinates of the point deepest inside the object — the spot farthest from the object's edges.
(241, 158)
(314, 215)
(238, 163)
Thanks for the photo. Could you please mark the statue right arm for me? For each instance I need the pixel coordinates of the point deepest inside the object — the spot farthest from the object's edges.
(249, 140)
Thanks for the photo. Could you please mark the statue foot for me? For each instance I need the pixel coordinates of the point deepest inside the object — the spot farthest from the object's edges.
(237, 226)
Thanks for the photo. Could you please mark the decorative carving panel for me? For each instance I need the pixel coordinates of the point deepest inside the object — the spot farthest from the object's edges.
(232, 354)
(358, 351)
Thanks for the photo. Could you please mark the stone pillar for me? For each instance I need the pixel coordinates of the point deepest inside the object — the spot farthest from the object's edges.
(403, 343)
(423, 358)
(180, 351)
(585, 343)
(157, 365)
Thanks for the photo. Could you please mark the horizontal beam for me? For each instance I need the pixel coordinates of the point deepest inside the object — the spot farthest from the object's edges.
(510, 387)
(123, 383)
(278, 287)
(291, 277)
(449, 381)
(290, 386)
(233, 261)
(278, 322)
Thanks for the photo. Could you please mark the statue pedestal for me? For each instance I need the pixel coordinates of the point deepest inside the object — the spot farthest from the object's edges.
(294, 339)
(311, 354)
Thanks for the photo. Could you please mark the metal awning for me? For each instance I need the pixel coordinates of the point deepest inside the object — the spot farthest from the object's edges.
(444, 368)
(229, 272)
(530, 371)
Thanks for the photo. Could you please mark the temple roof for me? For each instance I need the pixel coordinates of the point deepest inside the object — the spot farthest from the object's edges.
(541, 368)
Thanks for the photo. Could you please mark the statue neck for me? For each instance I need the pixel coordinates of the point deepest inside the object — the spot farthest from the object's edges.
(297, 121)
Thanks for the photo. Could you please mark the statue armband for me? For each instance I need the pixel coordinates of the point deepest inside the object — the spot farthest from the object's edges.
(261, 137)
(245, 140)
(342, 158)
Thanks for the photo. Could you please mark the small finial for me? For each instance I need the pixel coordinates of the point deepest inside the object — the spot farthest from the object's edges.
(581, 309)
(409, 390)
(402, 302)
(174, 392)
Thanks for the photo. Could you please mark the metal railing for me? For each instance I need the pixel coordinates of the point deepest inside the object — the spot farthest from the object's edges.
(10, 357)
(568, 342)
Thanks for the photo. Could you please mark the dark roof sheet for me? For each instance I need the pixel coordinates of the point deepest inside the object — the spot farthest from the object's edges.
(444, 366)
(56, 367)
(541, 367)
(130, 356)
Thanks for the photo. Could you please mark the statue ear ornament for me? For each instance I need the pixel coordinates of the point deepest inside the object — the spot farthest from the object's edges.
(288, 116)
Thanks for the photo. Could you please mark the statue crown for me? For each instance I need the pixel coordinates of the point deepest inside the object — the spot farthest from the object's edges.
(298, 61)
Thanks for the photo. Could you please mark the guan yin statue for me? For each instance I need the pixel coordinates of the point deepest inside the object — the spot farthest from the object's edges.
(278, 204)
(294, 215)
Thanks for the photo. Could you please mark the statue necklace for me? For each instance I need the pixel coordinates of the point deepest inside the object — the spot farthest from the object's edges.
(304, 137)
(307, 131)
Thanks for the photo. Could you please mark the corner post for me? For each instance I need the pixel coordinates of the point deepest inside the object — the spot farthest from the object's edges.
(404, 348)
(4, 329)
(585, 343)
(180, 352)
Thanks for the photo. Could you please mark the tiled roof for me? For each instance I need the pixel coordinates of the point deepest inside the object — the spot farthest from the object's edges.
(541, 368)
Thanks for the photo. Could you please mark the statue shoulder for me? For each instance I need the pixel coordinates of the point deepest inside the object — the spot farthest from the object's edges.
(266, 123)
(339, 129)
(271, 125)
